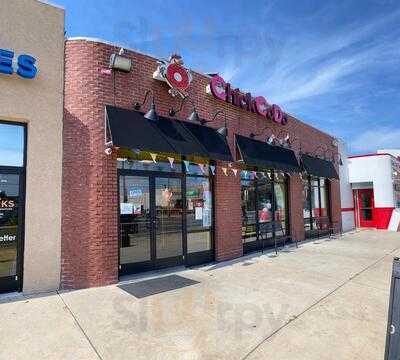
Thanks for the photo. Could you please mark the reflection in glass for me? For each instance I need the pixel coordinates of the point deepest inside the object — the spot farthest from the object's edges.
(280, 208)
(168, 217)
(316, 194)
(146, 163)
(324, 199)
(134, 219)
(9, 203)
(367, 214)
(199, 214)
(366, 200)
(248, 195)
(11, 145)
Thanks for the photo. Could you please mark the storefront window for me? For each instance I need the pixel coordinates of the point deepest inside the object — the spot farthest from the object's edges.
(248, 210)
(324, 198)
(307, 204)
(280, 208)
(145, 162)
(264, 199)
(197, 169)
(12, 144)
(198, 214)
(316, 202)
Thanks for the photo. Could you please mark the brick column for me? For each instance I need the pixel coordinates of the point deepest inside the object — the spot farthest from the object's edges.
(228, 217)
(335, 205)
(89, 194)
(296, 207)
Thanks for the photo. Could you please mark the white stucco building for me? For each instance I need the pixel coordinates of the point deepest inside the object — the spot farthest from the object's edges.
(346, 193)
(375, 182)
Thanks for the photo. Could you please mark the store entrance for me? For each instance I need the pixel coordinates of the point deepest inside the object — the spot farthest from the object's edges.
(366, 208)
(151, 222)
(11, 229)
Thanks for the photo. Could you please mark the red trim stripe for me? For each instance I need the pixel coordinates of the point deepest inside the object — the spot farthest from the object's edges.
(347, 209)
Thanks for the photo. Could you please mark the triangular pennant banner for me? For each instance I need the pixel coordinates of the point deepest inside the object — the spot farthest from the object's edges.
(235, 171)
(171, 161)
(187, 163)
(269, 175)
(225, 171)
(153, 157)
(212, 168)
(202, 168)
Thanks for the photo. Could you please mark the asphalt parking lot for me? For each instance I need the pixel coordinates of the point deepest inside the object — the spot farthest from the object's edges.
(327, 299)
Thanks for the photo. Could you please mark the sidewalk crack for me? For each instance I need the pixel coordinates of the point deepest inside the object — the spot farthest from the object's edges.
(80, 327)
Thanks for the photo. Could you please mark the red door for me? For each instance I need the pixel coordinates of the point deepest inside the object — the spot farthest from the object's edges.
(366, 208)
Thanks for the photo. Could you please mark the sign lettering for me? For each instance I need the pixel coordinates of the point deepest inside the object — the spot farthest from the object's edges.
(224, 91)
(25, 64)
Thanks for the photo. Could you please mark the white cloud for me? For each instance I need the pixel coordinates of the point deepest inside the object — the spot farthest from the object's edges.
(313, 65)
(374, 139)
(229, 72)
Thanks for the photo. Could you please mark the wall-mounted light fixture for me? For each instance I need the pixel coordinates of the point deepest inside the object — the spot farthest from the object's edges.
(335, 160)
(222, 130)
(193, 117)
(269, 140)
(283, 141)
(120, 62)
(151, 114)
(321, 146)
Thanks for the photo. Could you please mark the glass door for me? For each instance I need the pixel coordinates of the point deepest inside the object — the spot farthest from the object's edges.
(135, 223)
(151, 222)
(10, 231)
(366, 207)
(168, 211)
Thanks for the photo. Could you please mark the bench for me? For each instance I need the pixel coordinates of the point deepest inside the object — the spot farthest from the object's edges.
(325, 224)
(272, 227)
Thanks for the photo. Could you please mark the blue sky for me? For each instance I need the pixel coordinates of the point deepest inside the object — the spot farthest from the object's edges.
(334, 64)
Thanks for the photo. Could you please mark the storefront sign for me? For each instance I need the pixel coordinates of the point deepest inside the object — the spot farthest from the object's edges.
(135, 192)
(6, 238)
(126, 208)
(25, 66)
(223, 91)
(6, 204)
(174, 74)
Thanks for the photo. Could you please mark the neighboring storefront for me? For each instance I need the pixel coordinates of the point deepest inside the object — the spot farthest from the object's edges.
(31, 112)
(375, 181)
(346, 193)
(164, 166)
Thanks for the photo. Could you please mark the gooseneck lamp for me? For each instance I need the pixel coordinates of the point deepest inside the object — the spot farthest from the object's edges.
(222, 130)
(323, 147)
(270, 139)
(193, 117)
(335, 160)
(151, 114)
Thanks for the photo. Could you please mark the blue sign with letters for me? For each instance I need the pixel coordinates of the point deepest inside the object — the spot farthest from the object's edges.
(25, 64)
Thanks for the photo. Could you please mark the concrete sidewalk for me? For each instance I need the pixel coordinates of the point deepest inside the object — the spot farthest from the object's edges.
(325, 300)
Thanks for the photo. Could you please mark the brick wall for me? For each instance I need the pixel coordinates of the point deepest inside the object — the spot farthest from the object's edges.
(89, 224)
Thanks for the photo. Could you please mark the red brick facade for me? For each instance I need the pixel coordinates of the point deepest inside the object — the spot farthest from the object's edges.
(90, 222)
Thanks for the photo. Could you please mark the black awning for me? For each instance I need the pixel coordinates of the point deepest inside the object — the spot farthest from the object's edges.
(130, 129)
(261, 154)
(213, 142)
(319, 167)
(179, 137)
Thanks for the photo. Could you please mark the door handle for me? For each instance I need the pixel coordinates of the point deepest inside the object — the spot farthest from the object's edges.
(392, 329)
